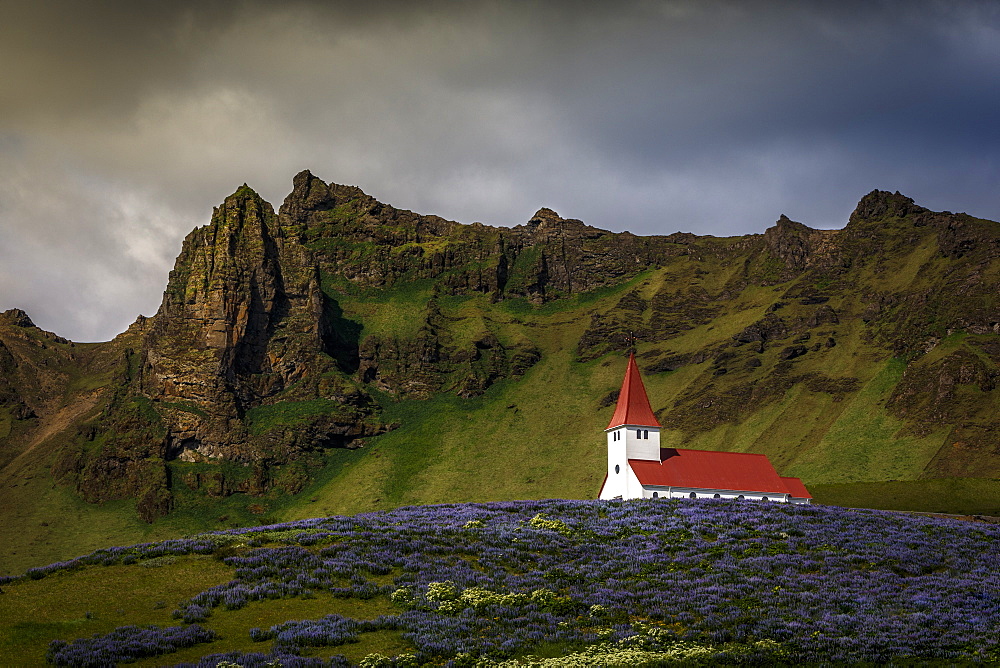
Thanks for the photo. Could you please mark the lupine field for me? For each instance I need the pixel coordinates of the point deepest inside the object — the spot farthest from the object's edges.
(576, 583)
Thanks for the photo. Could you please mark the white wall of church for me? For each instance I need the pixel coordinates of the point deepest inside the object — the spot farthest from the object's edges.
(703, 493)
(621, 480)
(639, 447)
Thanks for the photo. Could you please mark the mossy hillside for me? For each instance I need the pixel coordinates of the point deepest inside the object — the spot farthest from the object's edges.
(6, 422)
(443, 444)
(285, 414)
(46, 522)
(518, 440)
(963, 496)
(526, 435)
(825, 420)
(853, 440)
(398, 312)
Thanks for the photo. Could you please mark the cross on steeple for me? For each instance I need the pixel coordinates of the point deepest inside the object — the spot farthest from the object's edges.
(630, 343)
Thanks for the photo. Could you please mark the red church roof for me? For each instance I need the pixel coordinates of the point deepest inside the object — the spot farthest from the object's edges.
(633, 404)
(795, 488)
(705, 469)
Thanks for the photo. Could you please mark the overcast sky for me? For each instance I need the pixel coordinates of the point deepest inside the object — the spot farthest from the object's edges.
(123, 123)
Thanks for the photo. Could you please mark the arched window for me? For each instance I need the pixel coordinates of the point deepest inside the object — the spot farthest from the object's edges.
(693, 495)
(656, 495)
(764, 498)
(740, 497)
(717, 496)
(618, 469)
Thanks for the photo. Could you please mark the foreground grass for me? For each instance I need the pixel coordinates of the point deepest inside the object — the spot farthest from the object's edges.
(539, 583)
(78, 604)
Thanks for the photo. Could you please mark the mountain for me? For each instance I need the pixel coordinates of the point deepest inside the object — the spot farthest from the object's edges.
(341, 355)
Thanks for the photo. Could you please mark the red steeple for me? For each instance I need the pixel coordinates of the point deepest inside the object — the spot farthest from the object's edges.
(633, 404)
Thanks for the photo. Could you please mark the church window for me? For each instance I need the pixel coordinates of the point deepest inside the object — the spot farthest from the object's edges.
(693, 495)
(618, 468)
(764, 498)
(717, 496)
(740, 497)
(656, 495)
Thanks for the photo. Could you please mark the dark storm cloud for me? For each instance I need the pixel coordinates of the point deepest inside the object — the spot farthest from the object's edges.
(123, 123)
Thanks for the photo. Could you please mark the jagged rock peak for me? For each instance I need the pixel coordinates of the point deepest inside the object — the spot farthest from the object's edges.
(313, 190)
(547, 220)
(307, 190)
(543, 217)
(784, 223)
(17, 317)
(241, 209)
(244, 193)
(310, 194)
(792, 242)
(879, 204)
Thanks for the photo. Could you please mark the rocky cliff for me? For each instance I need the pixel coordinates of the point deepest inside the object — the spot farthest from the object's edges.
(284, 335)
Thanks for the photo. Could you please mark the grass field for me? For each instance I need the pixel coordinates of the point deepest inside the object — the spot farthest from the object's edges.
(961, 496)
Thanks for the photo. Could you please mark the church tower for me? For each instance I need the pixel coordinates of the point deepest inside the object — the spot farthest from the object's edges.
(639, 469)
(633, 433)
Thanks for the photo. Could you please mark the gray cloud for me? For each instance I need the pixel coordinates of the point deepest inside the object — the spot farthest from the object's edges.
(122, 124)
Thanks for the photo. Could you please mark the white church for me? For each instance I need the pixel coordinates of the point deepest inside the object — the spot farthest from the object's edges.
(638, 468)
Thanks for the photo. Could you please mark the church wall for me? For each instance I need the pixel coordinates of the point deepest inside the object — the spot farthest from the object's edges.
(642, 448)
(615, 485)
(705, 493)
(623, 481)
